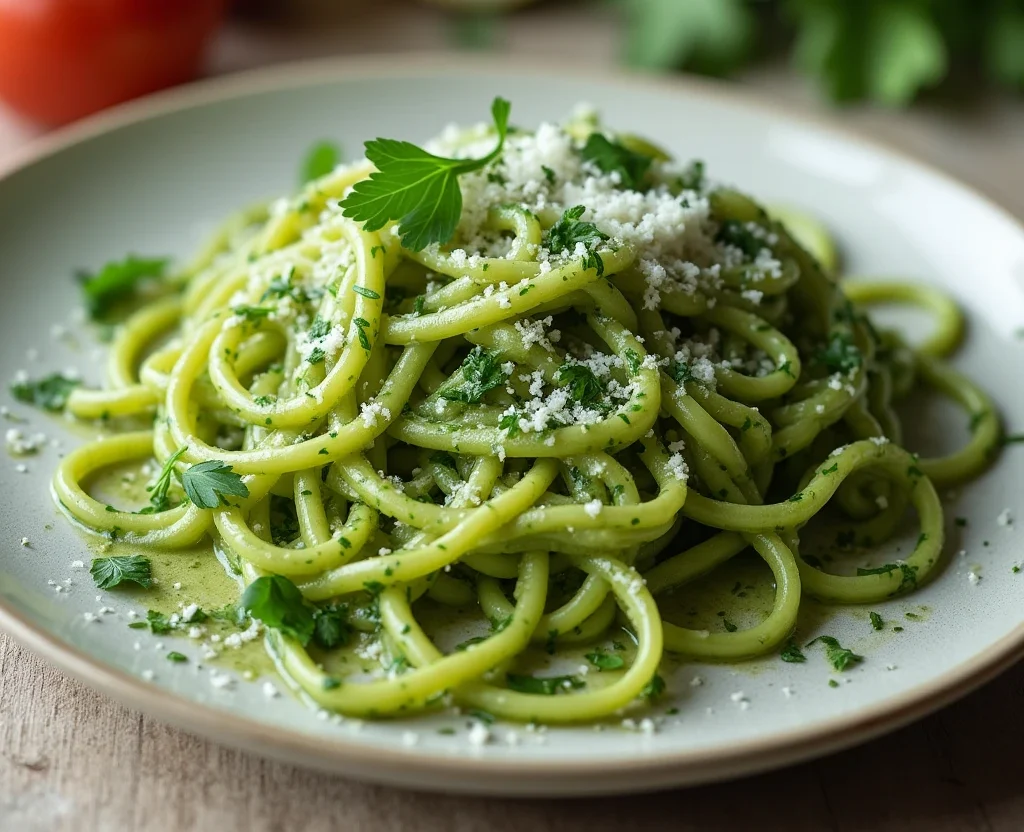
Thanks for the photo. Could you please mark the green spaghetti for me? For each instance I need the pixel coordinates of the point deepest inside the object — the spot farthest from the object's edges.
(543, 378)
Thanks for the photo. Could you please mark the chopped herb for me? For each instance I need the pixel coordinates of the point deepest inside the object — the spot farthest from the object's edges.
(877, 623)
(419, 190)
(544, 686)
(481, 372)
(569, 231)
(832, 683)
(114, 571)
(469, 642)
(735, 233)
(792, 653)
(908, 579)
(633, 360)
(653, 689)
(319, 328)
(838, 656)
(159, 623)
(692, 179)
(264, 401)
(330, 683)
(209, 484)
(322, 158)
(278, 603)
(361, 325)
(549, 174)
(138, 625)
(366, 293)
(330, 627)
(252, 313)
(117, 280)
(50, 392)
(612, 157)
(158, 500)
(175, 656)
(841, 355)
(316, 355)
(510, 424)
(581, 381)
(605, 661)
(729, 626)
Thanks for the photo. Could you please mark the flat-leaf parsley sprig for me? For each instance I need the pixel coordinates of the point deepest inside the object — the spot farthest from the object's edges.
(416, 188)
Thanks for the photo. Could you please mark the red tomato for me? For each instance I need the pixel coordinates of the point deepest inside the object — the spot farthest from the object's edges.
(63, 59)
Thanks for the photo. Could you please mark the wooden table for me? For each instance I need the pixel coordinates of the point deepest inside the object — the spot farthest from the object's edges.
(70, 759)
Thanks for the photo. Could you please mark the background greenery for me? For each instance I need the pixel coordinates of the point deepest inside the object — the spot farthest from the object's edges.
(885, 51)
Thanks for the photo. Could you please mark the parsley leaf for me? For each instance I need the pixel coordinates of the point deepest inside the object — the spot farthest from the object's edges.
(158, 490)
(605, 661)
(544, 686)
(319, 328)
(159, 623)
(50, 393)
(320, 160)
(117, 280)
(278, 603)
(114, 571)
(792, 653)
(481, 373)
(330, 627)
(581, 381)
(838, 656)
(565, 234)
(175, 656)
(612, 157)
(208, 484)
(419, 190)
(735, 233)
(510, 424)
(841, 355)
(877, 622)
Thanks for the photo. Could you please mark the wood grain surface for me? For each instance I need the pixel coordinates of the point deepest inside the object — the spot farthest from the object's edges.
(73, 760)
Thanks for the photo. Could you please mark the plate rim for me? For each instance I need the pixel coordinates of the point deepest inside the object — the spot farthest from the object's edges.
(490, 775)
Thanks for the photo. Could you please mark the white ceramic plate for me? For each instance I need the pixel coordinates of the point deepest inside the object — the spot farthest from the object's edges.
(155, 176)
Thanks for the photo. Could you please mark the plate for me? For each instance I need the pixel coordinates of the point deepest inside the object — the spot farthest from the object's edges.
(157, 175)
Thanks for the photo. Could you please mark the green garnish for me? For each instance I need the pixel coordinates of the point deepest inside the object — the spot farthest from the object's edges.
(735, 233)
(612, 157)
(366, 293)
(510, 424)
(322, 158)
(50, 392)
(569, 231)
(278, 603)
(417, 189)
(114, 571)
(838, 656)
(605, 661)
(544, 686)
(877, 623)
(158, 490)
(209, 484)
(117, 280)
(481, 373)
(653, 689)
(252, 313)
(908, 579)
(319, 328)
(581, 381)
(175, 656)
(792, 653)
(159, 623)
(841, 355)
(330, 626)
